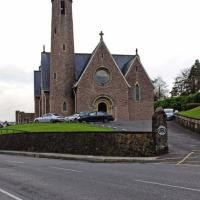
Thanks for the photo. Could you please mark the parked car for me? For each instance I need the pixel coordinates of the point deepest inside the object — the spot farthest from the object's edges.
(169, 113)
(96, 117)
(72, 118)
(4, 124)
(49, 117)
(1, 125)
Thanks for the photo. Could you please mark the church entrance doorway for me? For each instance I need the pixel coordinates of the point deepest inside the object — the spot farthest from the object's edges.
(104, 104)
(102, 107)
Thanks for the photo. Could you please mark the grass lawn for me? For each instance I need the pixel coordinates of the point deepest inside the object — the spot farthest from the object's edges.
(55, 127)
(194, 113)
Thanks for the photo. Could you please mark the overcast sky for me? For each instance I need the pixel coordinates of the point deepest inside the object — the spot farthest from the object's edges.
(166, 33)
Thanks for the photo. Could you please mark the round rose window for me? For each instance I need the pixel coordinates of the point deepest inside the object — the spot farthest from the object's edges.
(102, 76)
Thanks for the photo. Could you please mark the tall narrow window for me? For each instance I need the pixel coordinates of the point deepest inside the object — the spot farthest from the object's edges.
(62, 7)
(55, 76)
(137, 92)
(64, 107)
(64, 48)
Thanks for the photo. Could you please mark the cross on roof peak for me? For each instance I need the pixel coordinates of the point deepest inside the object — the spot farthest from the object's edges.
(43, 48)
(101, 35)
(136, 51)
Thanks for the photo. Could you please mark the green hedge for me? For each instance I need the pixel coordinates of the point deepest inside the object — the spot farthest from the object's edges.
(180, 103)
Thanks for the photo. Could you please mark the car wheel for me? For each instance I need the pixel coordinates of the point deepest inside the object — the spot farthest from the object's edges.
(51, 121)
(36, 121)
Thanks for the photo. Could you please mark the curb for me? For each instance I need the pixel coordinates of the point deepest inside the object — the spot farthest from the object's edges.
(86, 158)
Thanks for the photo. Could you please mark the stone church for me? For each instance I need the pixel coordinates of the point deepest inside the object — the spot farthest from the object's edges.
(69, 82)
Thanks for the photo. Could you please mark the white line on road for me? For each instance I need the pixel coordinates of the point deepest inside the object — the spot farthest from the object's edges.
(12, 161)
(64, 169)
(167, 185)
(186, 157)
(10, 195)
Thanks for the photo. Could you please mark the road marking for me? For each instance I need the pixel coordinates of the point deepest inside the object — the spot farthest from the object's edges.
(72, 170)
(12, 161)
(185, 158)
(10, 195)
(168, 185)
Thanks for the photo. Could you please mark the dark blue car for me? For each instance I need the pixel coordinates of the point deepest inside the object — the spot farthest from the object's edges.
(96, 117)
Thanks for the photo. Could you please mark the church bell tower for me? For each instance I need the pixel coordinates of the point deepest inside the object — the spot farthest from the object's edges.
(62, 71)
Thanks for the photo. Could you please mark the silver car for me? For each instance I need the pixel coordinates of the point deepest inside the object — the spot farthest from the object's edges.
(49, 117)
(72, 118)
(169, 113)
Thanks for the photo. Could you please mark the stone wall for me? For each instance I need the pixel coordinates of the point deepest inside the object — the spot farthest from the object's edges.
(101, 144)
(189, 123)
(23, 118)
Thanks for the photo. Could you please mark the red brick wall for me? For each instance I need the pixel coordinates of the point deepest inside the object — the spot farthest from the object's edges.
(62, 61)
(23, 118)
(143, 109)
(116, 89)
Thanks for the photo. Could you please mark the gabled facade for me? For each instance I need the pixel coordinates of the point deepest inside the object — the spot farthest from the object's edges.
(69, 82)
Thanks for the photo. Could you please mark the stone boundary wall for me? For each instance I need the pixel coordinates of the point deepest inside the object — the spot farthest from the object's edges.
(189, 123)
(24, 118)
(133, 144)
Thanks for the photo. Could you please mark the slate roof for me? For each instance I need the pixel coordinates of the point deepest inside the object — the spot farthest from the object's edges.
(37, 83)
(45, 71)
(82, 59)
(42, 77)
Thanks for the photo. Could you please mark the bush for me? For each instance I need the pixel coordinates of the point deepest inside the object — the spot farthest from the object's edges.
(180, 103)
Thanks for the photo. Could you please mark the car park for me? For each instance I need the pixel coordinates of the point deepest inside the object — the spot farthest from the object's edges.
(169, 113)
(49, 117)
(96, 117)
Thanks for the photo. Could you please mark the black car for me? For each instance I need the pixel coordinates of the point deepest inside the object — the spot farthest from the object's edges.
(96, 117)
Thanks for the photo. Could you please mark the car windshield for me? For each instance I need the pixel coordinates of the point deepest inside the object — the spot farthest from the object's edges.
(101, 113)
(83, 113)
(169, 110)
(93, 114)
(55, 114)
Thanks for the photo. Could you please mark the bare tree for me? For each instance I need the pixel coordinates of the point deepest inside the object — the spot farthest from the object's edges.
(161, 88)
(182, 84)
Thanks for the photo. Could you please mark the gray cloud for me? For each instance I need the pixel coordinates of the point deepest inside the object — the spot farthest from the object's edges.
(10, 74)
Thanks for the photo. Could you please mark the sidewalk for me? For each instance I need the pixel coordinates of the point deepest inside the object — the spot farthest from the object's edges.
(95, 159)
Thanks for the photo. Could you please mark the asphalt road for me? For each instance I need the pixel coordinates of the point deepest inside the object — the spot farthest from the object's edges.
(184, 145)
(175, 177)
(24, 178)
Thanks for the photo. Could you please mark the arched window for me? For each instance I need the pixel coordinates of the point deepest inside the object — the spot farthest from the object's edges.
(64, 107)
(137, 92)
(62, 7)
